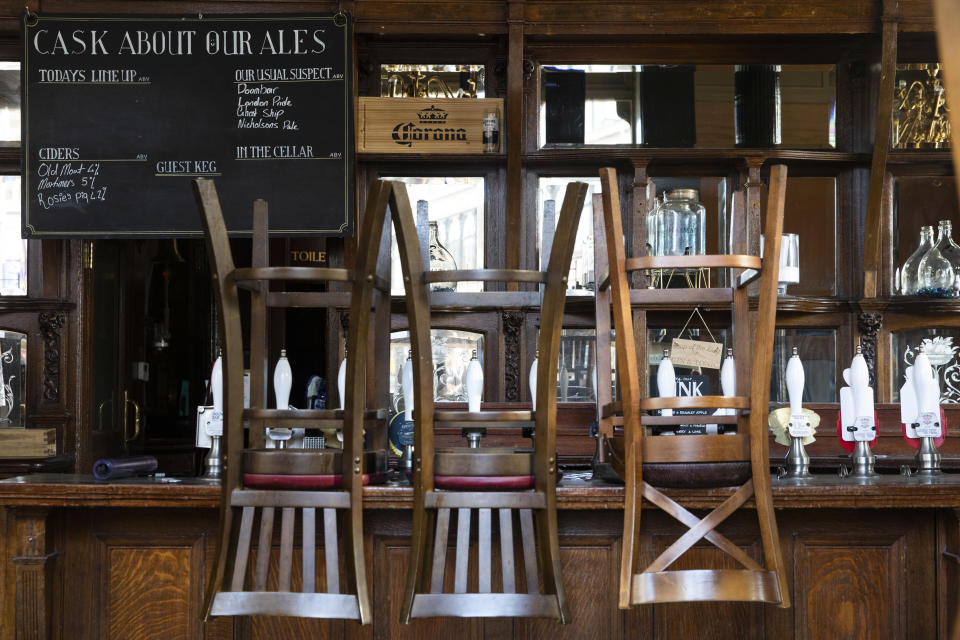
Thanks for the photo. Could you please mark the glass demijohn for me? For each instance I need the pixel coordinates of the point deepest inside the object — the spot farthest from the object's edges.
(940, 265)
(910, 273)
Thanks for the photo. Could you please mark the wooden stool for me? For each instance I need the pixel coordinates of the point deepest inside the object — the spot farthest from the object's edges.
(649, 462)
(518, 485)
(260, 482)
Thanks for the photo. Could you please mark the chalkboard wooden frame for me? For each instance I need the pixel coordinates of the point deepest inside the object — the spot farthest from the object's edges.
(141, 105)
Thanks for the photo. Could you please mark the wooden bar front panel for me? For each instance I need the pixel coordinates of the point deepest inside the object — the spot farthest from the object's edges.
(138, 574)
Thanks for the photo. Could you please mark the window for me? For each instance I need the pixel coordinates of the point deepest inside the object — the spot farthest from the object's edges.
(457, 206)
(13, 249)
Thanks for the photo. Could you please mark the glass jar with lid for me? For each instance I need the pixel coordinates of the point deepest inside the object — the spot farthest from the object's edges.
(681, 224)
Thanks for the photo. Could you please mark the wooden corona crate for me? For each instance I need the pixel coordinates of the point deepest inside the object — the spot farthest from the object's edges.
(28, 443)
(415, 125)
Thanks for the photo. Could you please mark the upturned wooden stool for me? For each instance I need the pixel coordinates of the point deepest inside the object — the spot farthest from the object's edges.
(649, 462)
(299, 485)
(518, 485)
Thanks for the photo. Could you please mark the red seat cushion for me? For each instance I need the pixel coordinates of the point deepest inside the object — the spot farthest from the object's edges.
(278, 481)
(483, 482)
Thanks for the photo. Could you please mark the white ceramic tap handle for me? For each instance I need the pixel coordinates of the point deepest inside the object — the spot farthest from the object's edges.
(282, 381)
(795, 381)
(342, 382)
(908, 402)
(923, 383)
(474, 384)
(666, 381)
(728, 376)
(860, 384)
(216, 384)
(406, 384)
(533, 381)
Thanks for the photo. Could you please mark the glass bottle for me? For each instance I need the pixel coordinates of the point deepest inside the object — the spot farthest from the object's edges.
(910, 273)
(681, 223)
(440, 259)
(652, 248)
(940, 264)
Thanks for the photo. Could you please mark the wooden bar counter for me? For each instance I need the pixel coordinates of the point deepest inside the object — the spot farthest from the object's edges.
(128, 559)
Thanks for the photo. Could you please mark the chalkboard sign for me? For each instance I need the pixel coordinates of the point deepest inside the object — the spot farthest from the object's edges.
(120, 114)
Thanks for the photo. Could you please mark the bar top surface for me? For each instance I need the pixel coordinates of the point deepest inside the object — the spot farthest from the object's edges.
(575, 491)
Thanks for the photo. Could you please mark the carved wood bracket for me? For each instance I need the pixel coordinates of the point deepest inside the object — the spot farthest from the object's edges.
(512, 326)
(868, 324)
(51, 324)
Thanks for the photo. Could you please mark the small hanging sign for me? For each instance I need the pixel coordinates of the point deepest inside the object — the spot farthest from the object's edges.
(696, 353)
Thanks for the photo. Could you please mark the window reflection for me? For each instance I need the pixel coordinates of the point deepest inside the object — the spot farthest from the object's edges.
(9, 102)
(941, 345)
(432, 81)
(577, 368)
(13, 249)
(689, 106)
(817, 349)
(452, 351)
(457, 206)
(550, 193)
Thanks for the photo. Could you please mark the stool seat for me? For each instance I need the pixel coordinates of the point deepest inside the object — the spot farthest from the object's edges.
(480, 483)
(680, 475)
(306, 468)
(307, 462)
(483, 461)
(294, 481)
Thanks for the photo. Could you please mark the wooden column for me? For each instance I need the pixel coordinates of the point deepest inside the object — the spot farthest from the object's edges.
(644, 196)
(948, 44)
(514, 135)
(33, 563)
(881, 146)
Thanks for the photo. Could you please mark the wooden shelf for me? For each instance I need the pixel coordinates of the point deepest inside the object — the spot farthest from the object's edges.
(922, 156)
(810, 304)
(693, 158)
(920, 305)
(446, 158)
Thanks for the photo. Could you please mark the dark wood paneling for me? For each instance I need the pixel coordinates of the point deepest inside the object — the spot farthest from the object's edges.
(390, 575)
(136, 575)
(855, 573)
(590, 565)
(842, 580)
(143, 583)
(866, 581)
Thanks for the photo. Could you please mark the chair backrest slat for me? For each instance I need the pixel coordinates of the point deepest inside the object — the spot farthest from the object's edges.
(529, 550)
(484, 580)
(264, 545)
(331, 557)
(243, 549)
(440, 550)
(508, 567)
(462, 564)
(287, 524)
(309, 548)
